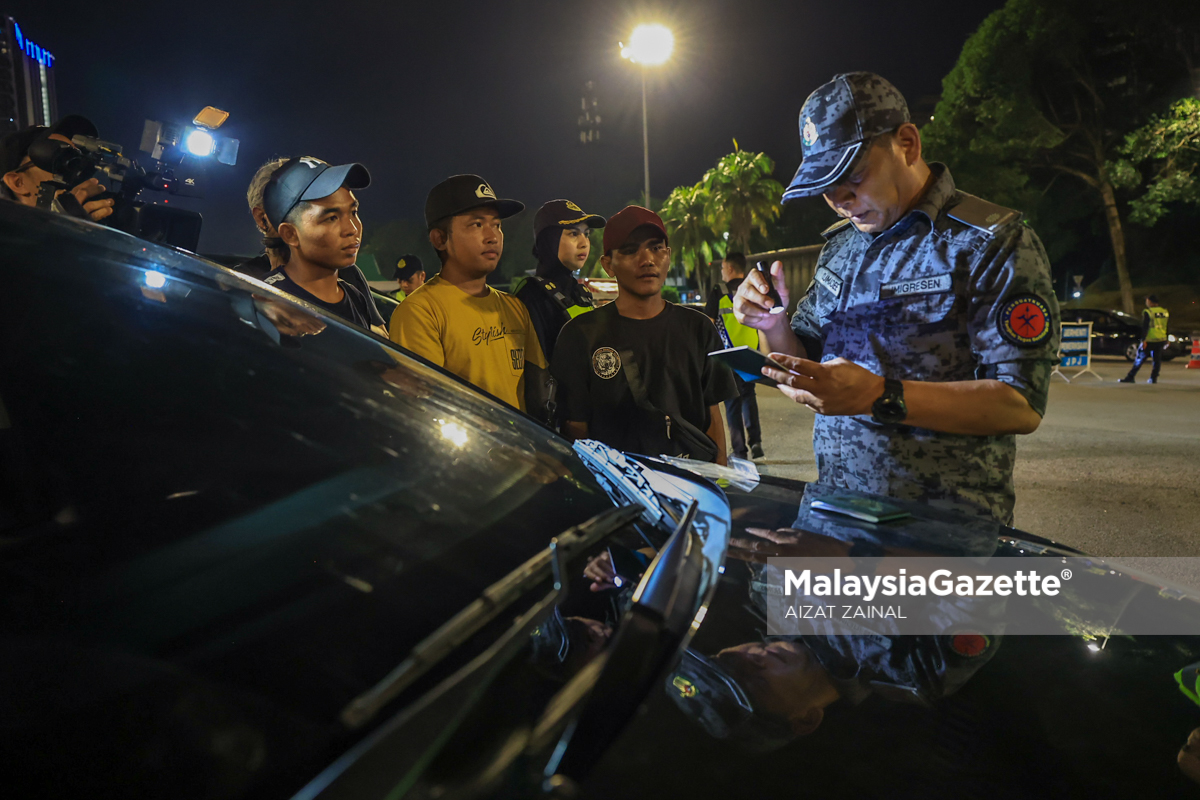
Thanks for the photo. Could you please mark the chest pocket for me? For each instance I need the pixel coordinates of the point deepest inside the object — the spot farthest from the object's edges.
(925, 337)
(918, 336)
(919, 313)
(514, 343)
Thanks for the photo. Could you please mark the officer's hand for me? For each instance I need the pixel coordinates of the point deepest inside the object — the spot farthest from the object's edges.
(1189, 756)
(833, 388)
(764, 543)
(752, 304)
(600, 571)
(96, 209)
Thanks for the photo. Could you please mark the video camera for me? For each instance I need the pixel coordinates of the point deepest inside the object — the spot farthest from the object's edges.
(178, 152)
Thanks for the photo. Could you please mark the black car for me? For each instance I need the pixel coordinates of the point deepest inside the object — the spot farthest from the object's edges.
(250, 550)
(1115, 333)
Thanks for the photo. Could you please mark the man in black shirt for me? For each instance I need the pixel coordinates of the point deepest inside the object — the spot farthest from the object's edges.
(312, 206)
(635, 374)
(275, 253)
(561, 245)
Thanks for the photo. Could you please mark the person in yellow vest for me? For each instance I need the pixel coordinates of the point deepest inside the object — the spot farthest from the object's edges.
(1154, 339)
(741, 412)
(410, 274)
(457, 321)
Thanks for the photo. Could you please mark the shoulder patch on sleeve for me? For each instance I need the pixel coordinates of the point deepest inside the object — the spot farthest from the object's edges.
(1025, 321)
(982, 215)
(970, 645)
(835, 228)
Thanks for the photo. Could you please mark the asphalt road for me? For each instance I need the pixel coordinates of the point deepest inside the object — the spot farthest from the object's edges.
(1114, 469)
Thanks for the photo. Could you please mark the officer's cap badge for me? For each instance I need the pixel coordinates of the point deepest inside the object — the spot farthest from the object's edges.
(808, 133)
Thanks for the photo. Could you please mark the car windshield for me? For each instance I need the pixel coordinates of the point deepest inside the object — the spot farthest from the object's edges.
(201, 477)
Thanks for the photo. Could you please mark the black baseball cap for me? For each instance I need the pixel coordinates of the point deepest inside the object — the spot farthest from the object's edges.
(15, 146)
(563, 214)
(407, 265)
(461, 193)
(708, 695)
(837, 122)
(308, 178)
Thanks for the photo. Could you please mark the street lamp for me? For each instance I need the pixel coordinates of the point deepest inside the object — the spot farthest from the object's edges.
(649, 46)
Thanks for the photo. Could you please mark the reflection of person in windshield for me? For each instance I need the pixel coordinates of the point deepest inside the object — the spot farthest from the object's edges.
(562, 646)
(764, 694)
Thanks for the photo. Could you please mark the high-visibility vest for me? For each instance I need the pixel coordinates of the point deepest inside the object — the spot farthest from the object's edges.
(572, 310)
(1157, 332)
(739, 334)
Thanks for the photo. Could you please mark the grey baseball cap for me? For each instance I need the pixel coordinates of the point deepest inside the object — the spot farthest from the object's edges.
(837, 123)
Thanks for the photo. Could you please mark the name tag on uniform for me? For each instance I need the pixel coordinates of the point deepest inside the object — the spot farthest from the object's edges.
(930, 285)
(832, 282)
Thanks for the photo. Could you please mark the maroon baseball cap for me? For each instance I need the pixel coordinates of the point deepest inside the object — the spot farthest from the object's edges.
(625, 221)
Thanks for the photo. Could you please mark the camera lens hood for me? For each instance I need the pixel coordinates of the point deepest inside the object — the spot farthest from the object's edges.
(62, 159)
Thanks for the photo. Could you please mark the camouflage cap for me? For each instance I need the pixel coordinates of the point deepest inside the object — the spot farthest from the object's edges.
(837, 120)
(713, 698)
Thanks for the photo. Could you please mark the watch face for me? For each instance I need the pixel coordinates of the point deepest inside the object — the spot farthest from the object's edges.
(889, 409)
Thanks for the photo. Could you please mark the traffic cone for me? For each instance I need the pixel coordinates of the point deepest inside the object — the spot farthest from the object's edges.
(1195, 361)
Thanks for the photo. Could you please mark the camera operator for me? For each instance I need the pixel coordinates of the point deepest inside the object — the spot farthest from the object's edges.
(22, 180)
(276, 253)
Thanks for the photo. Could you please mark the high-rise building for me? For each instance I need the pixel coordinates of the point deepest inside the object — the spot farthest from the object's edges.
(27, 95)
(589, 115)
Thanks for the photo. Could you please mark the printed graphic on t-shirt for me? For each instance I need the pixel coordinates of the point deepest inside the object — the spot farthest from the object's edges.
(517, 354)
(606, 362)
(490, 334)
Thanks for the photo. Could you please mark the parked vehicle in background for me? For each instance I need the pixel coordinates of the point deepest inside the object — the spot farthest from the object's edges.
(1115, 333)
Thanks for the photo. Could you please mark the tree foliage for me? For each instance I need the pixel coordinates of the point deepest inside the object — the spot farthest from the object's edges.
(1169, 147)
(1046, 90)
(732, 200)
(686, 213)
(743, 196)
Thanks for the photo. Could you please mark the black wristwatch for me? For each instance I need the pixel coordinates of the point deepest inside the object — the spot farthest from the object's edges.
(889, 409)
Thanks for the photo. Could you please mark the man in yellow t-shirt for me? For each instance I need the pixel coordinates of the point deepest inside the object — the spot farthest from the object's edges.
(456, 320)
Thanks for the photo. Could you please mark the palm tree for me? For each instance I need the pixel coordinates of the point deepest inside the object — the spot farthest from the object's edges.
(743, 196)
(686, 215)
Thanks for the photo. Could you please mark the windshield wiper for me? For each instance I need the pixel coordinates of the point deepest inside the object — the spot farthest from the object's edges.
(622, 478)
(657, 622)
(495, 598)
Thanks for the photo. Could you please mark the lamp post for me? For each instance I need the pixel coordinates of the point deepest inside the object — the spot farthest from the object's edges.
(649, 46)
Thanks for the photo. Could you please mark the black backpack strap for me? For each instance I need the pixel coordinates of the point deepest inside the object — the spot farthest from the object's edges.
(694, 442)
(554, 293)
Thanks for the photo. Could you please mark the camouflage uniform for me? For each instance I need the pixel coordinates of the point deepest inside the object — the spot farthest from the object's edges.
(920, 302)
(958, 289)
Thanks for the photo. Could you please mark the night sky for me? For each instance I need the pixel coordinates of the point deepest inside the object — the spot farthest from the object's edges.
(421, 91)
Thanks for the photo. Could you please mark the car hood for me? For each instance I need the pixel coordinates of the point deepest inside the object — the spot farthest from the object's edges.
(1027, 719)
